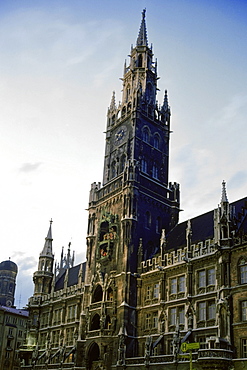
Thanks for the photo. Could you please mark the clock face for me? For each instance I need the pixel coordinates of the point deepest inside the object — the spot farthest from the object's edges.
(120, 135)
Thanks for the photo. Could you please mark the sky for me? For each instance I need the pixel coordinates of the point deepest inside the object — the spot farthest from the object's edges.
(61, 60)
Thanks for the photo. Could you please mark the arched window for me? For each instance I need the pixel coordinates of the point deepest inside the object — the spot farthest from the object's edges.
(113, 119)
(123, 113)
(95, 323)
(156, 141)
(93, 355)
(243, 271)
(147, 220)
(144, 166)
(122, 163)
(127, 93)
(145, 135)
(155, 171)
(104, 230)
(113, 169)
(98, 294)
(158, 225)
(140, 60)
(149, 91)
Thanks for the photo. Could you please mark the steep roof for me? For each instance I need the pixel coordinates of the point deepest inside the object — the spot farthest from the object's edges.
(15, 311)
(203, 226)
(73, 276)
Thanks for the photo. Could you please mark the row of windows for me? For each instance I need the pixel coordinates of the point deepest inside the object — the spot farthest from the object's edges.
(56, 337)
(6, 288)
(117, 168)
(151, 320)
(146, 136)
(57, 316)
(148, 222)
(14, 320)
(206, 310)
(152, 292)
(206, 277)
(145, 169)
(178, 284)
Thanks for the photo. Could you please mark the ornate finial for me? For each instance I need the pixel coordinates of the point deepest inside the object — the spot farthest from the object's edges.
(142, 39)
(165, 106)
(143, 13)
(223, 194)
(51, 221)
(113, 102)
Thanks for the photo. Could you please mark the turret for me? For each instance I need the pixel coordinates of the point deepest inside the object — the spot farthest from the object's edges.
(222, 219)
(43, 277)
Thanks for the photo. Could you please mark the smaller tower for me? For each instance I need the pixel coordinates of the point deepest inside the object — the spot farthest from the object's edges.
(8, 272)
(222, 220)
(43, 277)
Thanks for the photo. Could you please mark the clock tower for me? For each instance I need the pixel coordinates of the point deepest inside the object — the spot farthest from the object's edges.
(128, 212)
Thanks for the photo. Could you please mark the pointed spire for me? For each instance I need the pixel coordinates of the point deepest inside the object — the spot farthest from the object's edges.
(165, 106)
(223, 194)
(125, 67)
(113, 102)
(47, 250)
(142, 39)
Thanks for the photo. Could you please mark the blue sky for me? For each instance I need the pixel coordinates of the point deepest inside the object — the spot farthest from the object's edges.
(60, 62)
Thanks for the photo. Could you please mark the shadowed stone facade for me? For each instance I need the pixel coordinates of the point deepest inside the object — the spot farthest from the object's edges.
(149, 283)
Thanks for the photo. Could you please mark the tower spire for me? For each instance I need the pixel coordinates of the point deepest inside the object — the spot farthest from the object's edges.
(113, 102)
(47, 250)
(142, 39)
(224, 194)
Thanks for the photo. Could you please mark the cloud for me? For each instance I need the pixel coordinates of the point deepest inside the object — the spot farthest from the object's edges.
(30, 167)
(238, 179)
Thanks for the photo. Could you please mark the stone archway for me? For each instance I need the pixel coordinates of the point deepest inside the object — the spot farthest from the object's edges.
(93, 356)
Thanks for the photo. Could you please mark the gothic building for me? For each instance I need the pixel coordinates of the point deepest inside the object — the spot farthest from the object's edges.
(150, 286)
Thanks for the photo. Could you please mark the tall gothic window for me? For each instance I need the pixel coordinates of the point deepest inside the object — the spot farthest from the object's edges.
(144, 166)
(158, 225)
(156, 141)
(98, 294)
(113, 170)
(145, 135)
(95, 323)
(155, 171)
(202, 311)
(127, 93)
(122, 163)
(147, 220)
(140, 60)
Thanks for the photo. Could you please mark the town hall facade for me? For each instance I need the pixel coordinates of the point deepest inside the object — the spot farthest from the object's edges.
(149, 284)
